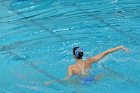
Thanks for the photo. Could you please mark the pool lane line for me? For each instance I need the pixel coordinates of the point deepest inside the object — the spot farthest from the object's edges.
(32, 65)
(36, 24)
(41, 71)
(119, 75)
(100, 19)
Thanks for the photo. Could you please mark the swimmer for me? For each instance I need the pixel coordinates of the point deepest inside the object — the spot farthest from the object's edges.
(82, 68)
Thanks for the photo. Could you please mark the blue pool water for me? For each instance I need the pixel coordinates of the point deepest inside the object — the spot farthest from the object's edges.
(37, 37)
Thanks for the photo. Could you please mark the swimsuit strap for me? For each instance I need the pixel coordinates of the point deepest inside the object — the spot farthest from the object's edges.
(82, 68)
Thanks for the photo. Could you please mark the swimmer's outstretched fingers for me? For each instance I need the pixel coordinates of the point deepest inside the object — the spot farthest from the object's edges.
(53, 81)
(125, 49)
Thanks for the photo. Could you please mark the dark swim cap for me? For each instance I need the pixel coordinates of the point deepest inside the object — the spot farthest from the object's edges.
(78, 52)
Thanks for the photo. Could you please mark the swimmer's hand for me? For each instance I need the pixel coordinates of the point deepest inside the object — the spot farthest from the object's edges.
(53, 81)
(124, 48)
(98, 77)
(48, 83)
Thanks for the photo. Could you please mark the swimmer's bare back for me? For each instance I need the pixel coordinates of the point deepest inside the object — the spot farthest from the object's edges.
(76, 70)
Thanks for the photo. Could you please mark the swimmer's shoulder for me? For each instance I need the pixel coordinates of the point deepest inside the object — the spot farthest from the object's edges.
(72, 67)
(88, 62)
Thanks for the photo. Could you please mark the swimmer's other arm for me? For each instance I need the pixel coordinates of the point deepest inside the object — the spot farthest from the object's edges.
(70, 73)
(103, 54)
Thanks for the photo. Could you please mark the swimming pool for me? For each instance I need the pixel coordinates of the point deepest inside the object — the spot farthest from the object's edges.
(37, 37)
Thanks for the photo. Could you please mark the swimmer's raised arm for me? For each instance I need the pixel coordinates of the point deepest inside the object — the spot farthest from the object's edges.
(103, 54)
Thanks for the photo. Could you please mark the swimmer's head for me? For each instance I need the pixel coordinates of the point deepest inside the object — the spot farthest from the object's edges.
(78, 52)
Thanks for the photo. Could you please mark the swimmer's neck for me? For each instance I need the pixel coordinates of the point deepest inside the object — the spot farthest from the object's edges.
(79, 61)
